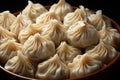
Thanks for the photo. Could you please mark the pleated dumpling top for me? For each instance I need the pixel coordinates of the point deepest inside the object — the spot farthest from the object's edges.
(6, 35)
(82, 35)
(46, 17)
(55, 30)
(97, 20)
(25, 33)
(20, 23)
(52, 69)
(20, 65)
(110, 36)
(61, 8)
(6, 19)
(73, 17)
(67, 52)
(38, 47)
(105, 52)
(33, 10)
(9, 50)
(82, 65)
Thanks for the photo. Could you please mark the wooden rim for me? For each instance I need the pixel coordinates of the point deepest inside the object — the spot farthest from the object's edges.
(115, 24)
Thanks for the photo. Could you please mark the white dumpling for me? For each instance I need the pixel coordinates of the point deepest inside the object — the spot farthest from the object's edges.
(87, 11)
(67, 53)
(6, 19)
(20, 65)
(73, 17)
(25, 33)
(104, 52)
(8, 50)
(97, 20)
(33, 10)
(44, 18)
(83, 65)
(6, 35)
(38, 47)
(20, 23)
(61, 8)
(110, 36)
(52, 69)
(55, 30)
(82, 35)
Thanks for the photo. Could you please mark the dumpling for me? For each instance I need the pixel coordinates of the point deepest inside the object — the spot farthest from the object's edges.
(20, 65)
(55, 30)
(104, 52)
(82, 35)
(52, 69)
(46, 17)
(33, 10)
(20, 23)
(110, 36)
(6, 35)
(82, 65)
(97, 20)
(73, 17)
(31, 29)
(8, 50)
(6, 19)
(67, 52)
(61, 8)
(38, 47)
(87, 11)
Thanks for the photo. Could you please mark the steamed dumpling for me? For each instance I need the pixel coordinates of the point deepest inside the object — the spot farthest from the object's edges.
(67, 52)
(52, 69)
(20, 23)
(82, 65)
(97, 20)
(77, 15)
(20, 65)
(110, 36)
(31, 29)
(87, 11)
(6, 19)
(38, 47)
(55, 30)
(46, 17)
(82, 35)
(32, 11)
(8, 50)
(61, 8)
(6, 35)
(104, 52)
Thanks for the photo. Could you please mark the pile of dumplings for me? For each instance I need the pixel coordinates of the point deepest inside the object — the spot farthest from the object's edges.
(57, 43)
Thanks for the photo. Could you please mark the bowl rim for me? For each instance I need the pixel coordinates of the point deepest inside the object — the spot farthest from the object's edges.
(116, 25)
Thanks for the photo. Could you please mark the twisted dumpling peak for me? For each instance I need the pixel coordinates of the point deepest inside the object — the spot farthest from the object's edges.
(20, 65)
(82, 35)
(53, 69)
(61, 8)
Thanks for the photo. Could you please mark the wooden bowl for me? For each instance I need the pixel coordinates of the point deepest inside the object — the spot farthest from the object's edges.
(97, 75)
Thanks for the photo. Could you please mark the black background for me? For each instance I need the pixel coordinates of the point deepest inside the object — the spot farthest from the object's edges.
(109, 8)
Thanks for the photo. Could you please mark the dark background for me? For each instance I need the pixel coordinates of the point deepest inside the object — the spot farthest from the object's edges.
(109, 8)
